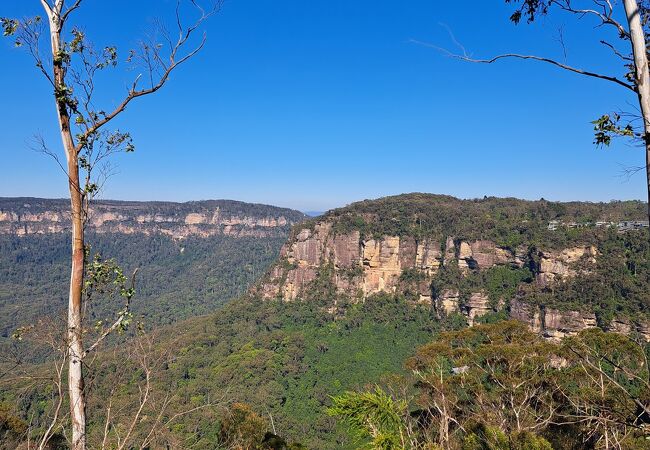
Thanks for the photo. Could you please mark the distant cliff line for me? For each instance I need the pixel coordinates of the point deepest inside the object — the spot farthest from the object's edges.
(24, 216)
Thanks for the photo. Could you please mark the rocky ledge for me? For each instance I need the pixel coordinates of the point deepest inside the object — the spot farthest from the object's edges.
(370, 266)
(27, 216)
(359, 267)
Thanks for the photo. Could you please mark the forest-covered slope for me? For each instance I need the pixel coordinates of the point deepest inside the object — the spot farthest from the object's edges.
(192, 257)
(357, 291)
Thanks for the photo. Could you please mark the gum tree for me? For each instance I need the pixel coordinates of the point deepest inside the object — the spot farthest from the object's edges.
(70, 64)
(630, 24)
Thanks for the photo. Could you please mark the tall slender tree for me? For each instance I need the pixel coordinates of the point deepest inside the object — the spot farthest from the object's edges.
(71, 66)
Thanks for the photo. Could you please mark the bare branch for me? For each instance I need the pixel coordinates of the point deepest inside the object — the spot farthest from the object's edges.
(606, 16)
(67, 13)
(29, 35)
(153, 61)
(59, 385)
(38, 145)
(532, 57)
(628, 172)
(616, 52)
(560, 40)
(107, 422)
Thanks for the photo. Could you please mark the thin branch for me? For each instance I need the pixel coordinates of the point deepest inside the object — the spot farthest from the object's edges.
(59, 384)
(616, 52)
(107, 422)
(606, 16)
(628, 172)
(116, 324)
(65, 15)
(560, 40)
(532, 57)
(38, 145)
(150, 56)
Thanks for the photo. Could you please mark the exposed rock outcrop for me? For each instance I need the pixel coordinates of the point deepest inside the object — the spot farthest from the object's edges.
(25, 216)
(478, 305)
(562, 265)
(448, 302)
(373, 265)
(368, 266)
(485, 254)
(382, 264)
(556, 324)
(530, 314)
(350, 256)
(551, 323)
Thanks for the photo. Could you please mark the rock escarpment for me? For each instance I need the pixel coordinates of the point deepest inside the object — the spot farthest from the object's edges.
(373, 265)
(26, 216)
(561, 265)
(556, 324)
(349, 252)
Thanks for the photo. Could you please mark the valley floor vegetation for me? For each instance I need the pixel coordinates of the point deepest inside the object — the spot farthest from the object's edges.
(338, 371)
(387, 375)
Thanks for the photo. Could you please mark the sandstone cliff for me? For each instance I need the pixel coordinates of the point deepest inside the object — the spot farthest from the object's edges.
(377, 265)
(358, 264)
(25, 216)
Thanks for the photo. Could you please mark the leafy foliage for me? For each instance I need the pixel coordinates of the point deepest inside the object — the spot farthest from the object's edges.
(373, 415)
(500, 386)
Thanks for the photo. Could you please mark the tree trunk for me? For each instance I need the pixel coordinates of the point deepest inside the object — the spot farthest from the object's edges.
(74, 333)
(75, 342)
(637, 36)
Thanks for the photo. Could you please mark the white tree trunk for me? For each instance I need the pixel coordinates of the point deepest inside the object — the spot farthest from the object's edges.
(637, 36)
(74, 334)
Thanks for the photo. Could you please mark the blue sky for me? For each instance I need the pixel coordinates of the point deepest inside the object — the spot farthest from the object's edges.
(315, 104)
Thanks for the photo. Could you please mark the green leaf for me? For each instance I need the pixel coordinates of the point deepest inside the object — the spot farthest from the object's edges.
(9, 26)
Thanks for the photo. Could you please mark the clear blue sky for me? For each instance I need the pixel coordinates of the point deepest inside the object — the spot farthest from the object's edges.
(315, 104)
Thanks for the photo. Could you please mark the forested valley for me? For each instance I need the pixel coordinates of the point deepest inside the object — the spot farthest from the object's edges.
(339, 368)
(455, 308)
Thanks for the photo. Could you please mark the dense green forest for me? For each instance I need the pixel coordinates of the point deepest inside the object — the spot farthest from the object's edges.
(259, 375)
(507, 221)
(284, 360)
(176, 279)
(318, 372)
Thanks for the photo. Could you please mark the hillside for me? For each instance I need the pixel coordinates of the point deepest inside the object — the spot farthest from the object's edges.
(356, 291)
(560, 266)
(192, 257)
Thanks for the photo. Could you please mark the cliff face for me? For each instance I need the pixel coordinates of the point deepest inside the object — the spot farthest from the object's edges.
(362, 267)
(560, 265)
(25, 216)
(371, 266)
(555, 324)
(358, 265)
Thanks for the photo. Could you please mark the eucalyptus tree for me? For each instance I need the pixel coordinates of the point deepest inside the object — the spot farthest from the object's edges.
(71, 65)
(629, 23)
